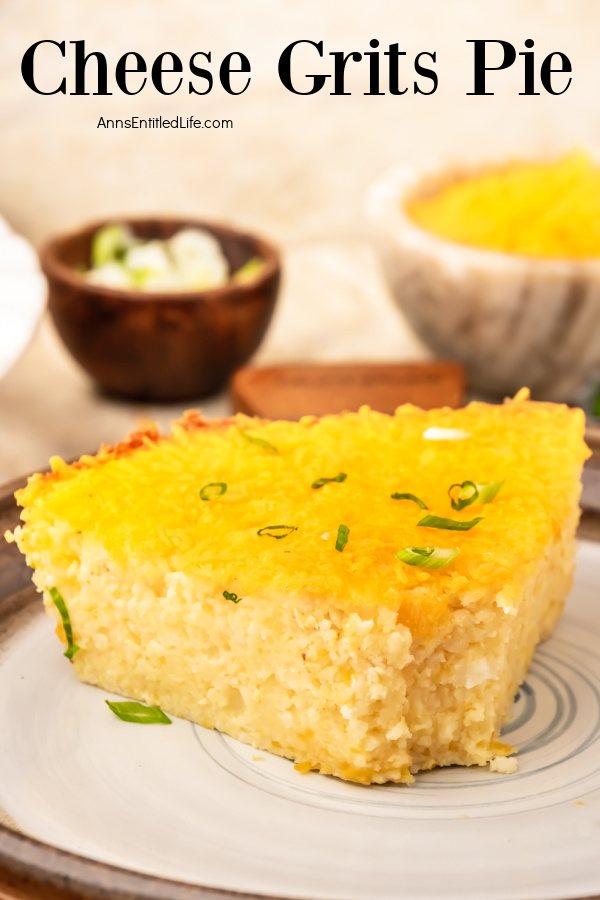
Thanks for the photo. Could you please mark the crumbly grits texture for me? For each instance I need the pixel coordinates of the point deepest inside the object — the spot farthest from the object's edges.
(349, 662)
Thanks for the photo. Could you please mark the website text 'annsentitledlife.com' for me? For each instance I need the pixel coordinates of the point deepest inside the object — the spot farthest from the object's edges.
(181, 122)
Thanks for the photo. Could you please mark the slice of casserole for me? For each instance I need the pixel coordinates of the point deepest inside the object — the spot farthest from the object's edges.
(361, 593)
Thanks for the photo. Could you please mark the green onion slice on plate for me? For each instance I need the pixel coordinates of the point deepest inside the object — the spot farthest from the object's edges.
(468, 492)
(258, 441)
(229, 595)
(448, 524)
(130, 711)
(341, 476)
(212, 490)
(412, 497)
(59, 602)
(342, 537)
(276, 531)
(427, 557)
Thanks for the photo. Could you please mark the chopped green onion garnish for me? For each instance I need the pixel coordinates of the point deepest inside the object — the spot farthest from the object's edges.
(342, 537)
(427, 557)
(276, 531)
(212, 490)
(341, 476)
(448, 524)
(231, 596)
(260, 442)
(58, 600)
(489, 491)
(412, 497)
(130, 711)
(462, 495)
(110, 244)
(468, 492)
(250, 270)
(595, 408)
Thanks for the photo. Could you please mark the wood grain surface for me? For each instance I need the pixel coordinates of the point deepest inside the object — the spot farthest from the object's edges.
(318, 389)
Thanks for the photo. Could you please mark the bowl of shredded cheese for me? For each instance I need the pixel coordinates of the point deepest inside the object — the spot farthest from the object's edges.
(498, 266)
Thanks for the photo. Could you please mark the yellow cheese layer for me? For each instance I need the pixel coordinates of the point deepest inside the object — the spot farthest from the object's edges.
(141, 502)
(539, 209)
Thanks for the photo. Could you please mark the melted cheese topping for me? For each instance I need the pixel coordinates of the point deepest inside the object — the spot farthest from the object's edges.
(140, 501)
(539, 209)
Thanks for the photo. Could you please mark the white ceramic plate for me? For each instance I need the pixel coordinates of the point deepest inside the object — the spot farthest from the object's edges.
(22, 295)
(188, 804)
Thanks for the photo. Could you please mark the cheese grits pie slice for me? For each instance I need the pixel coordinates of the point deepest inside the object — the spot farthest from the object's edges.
(361, 593)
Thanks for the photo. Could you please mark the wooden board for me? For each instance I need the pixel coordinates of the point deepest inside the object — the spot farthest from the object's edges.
(295, 390)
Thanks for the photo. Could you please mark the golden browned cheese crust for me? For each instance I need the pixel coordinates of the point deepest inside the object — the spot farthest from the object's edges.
(343, 658)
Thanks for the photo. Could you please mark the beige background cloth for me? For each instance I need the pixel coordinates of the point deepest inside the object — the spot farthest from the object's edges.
(296, 168)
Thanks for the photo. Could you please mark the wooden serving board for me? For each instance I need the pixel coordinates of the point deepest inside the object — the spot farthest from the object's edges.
(295, 390)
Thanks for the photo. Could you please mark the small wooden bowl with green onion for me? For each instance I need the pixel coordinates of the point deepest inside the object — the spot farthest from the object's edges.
(149, 333)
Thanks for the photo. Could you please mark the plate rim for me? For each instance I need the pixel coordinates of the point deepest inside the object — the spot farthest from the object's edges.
(31, 865)
(42, 870)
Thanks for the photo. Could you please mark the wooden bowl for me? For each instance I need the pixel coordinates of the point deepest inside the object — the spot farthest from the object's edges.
(513, 321)
(161, 346)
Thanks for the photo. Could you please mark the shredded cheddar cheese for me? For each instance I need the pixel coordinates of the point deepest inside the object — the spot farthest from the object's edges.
(141, 501)
(537, 209)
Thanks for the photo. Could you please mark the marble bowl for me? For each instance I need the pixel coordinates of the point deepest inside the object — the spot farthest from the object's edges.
(513, 321)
